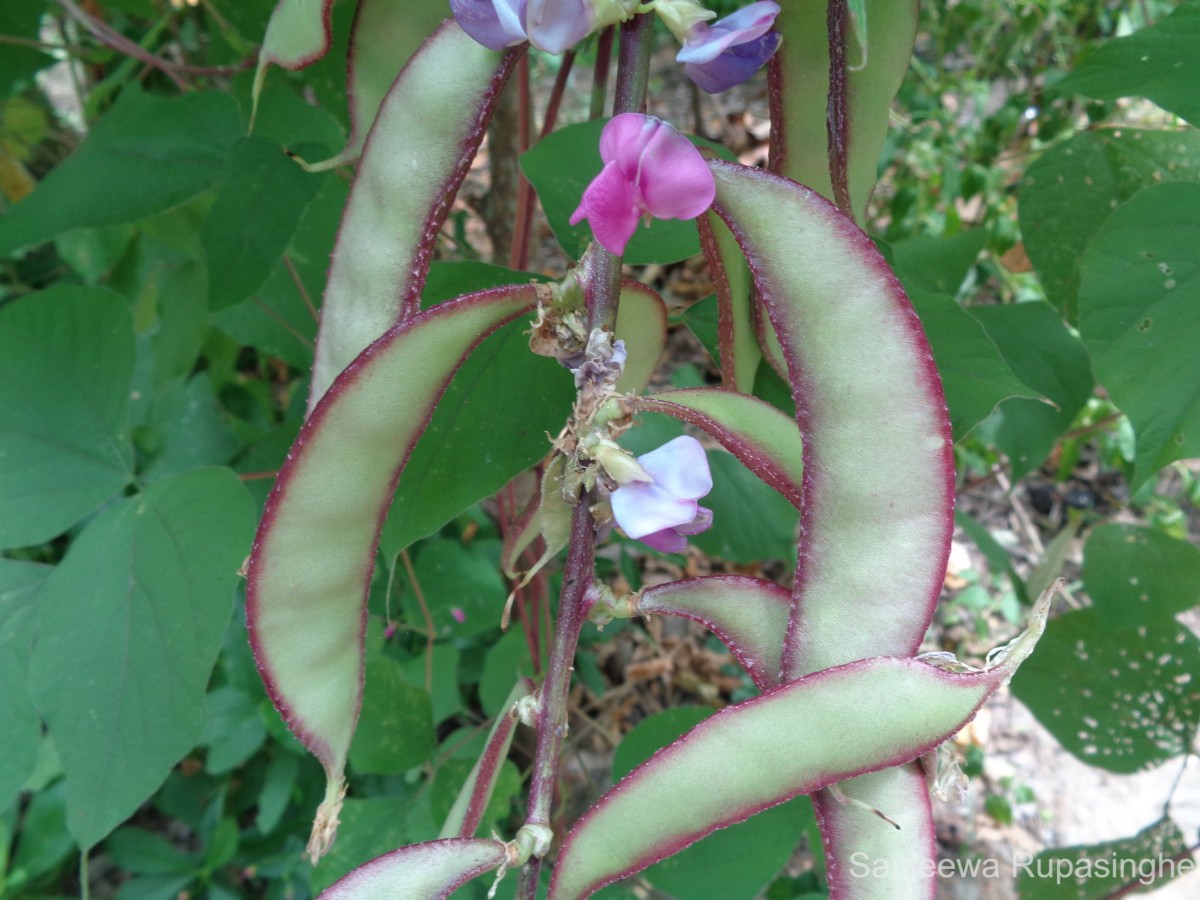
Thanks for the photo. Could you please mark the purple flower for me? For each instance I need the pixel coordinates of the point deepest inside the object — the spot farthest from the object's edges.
(650, 169)
(662, 511)
(730, 51)
(494, 23)
(550, 25)
(558, 25)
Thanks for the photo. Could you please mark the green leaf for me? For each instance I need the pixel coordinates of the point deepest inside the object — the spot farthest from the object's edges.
(396, 731)
(276, 791)
(562, 165)
(182, 321)
(21, 19)
(181, 429)
(284, 115)
(462, 589)
(20, 587)
(1069, 192)
(1099, 871)
(761, 845)
(751, 521)
(146, 155)
(938, 265)
(1135, 575)
(233, 729)
(145, 852)
(1159, 63)
(258, 206)
(490, 424)
(138, 606)
(703, 320)
(507, 661)
(444, 694)
(1128, 694)
(997, 557)
(66, 358)
(280, 320)
(1049, 360)
(1139, 293)
(974, 374)
(45, 843)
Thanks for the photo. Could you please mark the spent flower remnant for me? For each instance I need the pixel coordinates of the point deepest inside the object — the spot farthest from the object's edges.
(663, 511)
(650, 170)
(731, 50)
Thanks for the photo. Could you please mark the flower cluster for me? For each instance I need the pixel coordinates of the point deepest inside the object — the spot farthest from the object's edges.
(716, 57)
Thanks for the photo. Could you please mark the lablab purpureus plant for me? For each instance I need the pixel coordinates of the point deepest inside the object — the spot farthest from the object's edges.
(650, 171)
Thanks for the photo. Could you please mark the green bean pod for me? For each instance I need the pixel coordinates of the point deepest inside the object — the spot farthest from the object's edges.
(424, 138)
(313, 557)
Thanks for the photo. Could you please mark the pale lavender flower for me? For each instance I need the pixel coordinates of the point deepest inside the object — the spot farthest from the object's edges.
(662, 512)
(550, 25)
(494, 23)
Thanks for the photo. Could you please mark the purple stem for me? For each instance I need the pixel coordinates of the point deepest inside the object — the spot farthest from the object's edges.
(603, 269)
(117, 41)
(602, 280)
(837, 112)
(633, 64)
(556, 93)
(552, 709)
(600, 73)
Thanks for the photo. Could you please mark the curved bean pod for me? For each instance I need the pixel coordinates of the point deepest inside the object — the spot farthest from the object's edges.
(472, 800)
(314, 553)
(795, 739)
(878, 465)
(749, 615)
(879, 474)
(765, 440)
(800, 143)
(383, 37)
(422, 143)
(429, 871)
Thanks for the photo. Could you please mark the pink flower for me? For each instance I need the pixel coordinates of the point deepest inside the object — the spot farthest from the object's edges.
(650, 170)
(663, 511)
